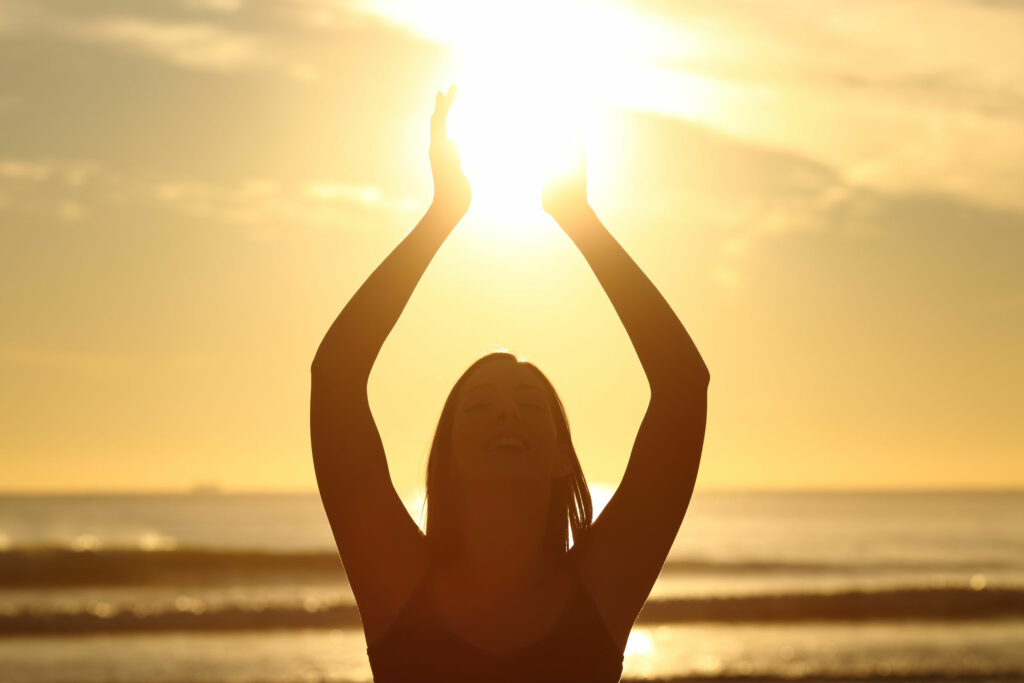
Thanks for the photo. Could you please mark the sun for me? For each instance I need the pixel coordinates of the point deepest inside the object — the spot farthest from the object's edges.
(525, 103)
(534, 77)
(532, 81)
(514, 128)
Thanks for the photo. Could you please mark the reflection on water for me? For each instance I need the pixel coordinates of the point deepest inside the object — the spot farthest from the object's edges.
(946, 651)
(639, 657)
(639, 643)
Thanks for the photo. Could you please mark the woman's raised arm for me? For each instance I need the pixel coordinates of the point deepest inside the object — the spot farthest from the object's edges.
(668, 355)
(352, 343)
(341, 367)
(380, 545)
(626, 547)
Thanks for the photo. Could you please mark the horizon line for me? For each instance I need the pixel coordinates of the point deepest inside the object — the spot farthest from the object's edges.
(216, 490)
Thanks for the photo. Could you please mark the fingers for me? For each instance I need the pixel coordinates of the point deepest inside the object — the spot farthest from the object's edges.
(447, 98)
(439, 120)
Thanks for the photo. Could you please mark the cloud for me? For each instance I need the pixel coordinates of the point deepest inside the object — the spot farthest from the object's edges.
(869, 88)
(262, 203)
(194, 45)
(74, 190)
(328, 191)
(47, 187)
(60, 189)
(191, 45)
(740, 201)
(214, 36)
(74, 173)
(221, 6)
(25, 170)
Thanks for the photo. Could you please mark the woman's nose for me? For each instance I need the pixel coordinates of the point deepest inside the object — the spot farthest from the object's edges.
(508, 409)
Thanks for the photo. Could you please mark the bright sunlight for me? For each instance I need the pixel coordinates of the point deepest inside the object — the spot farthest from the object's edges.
(529, 89)
(534, 80)
(516, 125)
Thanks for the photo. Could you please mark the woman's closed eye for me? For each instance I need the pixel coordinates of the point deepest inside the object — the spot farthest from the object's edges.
(485, 404)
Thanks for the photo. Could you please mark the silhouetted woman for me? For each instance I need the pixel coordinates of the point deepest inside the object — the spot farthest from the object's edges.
(492, 591)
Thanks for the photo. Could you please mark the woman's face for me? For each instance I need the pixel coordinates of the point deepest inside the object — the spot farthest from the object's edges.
(505, 426)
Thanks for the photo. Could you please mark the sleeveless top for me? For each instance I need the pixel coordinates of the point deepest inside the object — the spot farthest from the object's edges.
(418, 647)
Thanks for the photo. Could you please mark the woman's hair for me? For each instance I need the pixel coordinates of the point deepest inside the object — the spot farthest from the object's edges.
(570, 498)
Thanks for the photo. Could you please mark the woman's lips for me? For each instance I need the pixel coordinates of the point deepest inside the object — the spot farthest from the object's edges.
(507, 441)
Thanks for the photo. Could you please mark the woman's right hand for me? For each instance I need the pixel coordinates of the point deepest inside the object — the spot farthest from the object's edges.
(564, 194)
(451, 187)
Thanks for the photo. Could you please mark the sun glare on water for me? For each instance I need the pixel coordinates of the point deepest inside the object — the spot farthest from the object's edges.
(638, 643)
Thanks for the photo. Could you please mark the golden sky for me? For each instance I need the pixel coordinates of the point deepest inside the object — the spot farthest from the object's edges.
(828, 194)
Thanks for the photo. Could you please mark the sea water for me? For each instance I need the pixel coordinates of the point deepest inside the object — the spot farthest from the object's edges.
(806, 586)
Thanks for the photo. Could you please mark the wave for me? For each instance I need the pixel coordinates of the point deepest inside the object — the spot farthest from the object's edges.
(53, 567)
(64, 567)
(895, 604)
(760, 566)
(192, 614)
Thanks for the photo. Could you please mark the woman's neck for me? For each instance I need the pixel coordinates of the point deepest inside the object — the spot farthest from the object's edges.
(502, 541)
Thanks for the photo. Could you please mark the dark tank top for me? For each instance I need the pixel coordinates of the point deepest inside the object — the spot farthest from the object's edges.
(418, 647)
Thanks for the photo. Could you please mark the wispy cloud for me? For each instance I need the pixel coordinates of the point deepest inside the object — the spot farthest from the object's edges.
(871, 88)
(891, 110)
(73, 190)
(25, 170)
(73, 173)
(189, 45)
(262, 203)
(328, 191)
(222, 6)
(199, 35)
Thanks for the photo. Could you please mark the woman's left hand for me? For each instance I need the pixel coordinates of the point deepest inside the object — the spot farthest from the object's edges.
(451, 187)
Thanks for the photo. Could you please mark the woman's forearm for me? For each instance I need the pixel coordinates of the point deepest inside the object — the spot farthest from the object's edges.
(668, 355)
(354, 340)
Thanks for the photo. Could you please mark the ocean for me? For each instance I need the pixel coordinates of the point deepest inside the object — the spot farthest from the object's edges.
(758, 587)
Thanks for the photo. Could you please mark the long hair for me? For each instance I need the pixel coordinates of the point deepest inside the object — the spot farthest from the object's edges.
(570, 507)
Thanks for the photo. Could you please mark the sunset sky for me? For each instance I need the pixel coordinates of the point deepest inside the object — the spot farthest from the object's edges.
(829, 194)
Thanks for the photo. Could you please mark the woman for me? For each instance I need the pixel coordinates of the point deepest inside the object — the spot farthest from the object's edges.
(492, 591)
